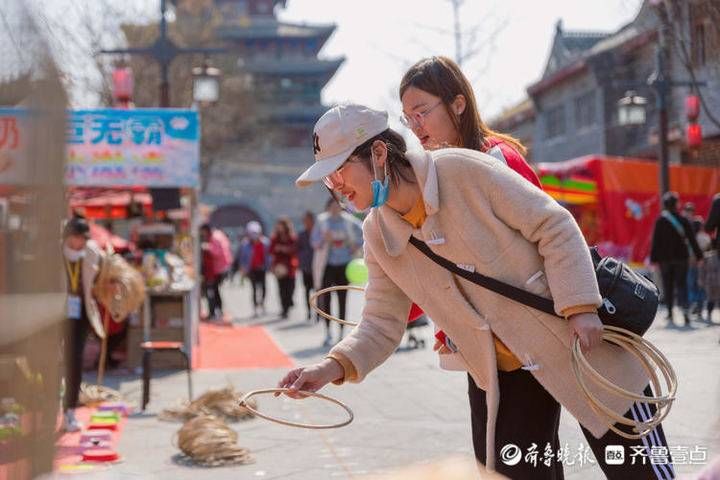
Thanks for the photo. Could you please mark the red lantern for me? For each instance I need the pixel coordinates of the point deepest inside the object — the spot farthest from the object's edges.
(122, 78)
(694, 135)
(692, 107)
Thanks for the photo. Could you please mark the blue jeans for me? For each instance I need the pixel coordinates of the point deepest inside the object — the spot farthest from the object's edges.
(696, 295)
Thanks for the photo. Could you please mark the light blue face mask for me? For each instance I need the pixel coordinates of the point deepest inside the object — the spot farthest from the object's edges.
(380, 190)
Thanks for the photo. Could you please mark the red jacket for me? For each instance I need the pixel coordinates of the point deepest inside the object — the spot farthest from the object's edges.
(513, 159)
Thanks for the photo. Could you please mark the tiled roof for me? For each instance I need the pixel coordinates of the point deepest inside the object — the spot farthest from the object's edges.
(579, 41)
(273, 29)
(290, 65)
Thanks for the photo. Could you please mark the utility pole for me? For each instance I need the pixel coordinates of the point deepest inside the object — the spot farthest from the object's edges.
(662, 85)
(164, 52)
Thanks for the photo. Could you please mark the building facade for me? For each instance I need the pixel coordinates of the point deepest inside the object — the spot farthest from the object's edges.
(575, 102)
(279, 64)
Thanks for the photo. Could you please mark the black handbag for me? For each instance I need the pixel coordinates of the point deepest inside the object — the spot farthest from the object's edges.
(630, 300)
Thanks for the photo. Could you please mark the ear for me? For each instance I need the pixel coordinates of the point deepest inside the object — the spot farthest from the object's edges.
(379, 150)
(458, 104)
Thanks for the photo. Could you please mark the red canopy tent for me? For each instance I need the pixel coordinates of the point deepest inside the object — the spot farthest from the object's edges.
(104, 238)
(109, 203)
(615, 200)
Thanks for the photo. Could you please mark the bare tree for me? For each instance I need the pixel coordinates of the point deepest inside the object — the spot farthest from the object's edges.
(77, 30)
(674, 14)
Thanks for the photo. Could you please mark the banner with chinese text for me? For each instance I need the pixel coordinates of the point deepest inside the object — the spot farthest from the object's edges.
(13, 166)
(151, 147)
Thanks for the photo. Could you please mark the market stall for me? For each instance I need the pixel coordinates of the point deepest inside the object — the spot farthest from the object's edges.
(134, 175)
(615, 200)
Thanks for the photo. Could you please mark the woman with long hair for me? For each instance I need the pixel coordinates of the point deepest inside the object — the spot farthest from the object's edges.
(439, 107)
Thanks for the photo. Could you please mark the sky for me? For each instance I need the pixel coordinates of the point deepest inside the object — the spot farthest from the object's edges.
(509, 39)
(382, 38)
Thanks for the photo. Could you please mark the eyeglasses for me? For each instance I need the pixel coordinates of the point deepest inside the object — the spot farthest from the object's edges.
(417, 119)
(335, 180)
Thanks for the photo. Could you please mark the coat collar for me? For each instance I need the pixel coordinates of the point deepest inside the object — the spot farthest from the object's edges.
(395, 231)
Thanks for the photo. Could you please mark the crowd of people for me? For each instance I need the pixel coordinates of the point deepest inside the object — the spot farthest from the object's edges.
(449, 198)
(319, 254)
(687, 258)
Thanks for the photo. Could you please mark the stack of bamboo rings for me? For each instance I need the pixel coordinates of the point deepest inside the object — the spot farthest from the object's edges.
(651, 358)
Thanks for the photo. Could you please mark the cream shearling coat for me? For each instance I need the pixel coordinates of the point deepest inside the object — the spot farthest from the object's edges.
(484, 216)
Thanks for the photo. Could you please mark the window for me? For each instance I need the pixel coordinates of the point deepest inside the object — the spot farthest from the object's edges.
(585, 110)
(555, 122)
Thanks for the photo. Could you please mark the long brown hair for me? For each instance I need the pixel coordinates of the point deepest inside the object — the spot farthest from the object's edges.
(442, 77)
(287, 226)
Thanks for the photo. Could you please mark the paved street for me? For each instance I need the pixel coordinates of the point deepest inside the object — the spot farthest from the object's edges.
(408, 411)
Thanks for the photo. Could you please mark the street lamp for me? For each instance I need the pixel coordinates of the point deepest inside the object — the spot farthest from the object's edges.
(164, 50)
(206, 83)
(631, 109)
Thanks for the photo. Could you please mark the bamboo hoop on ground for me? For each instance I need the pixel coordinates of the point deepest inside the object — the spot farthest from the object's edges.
(651, 359)
(297, 424)
(314, 297)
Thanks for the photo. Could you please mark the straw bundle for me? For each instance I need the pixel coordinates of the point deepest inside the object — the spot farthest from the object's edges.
(94, 394)
(223, 404)
(119, 287)
(208, 442)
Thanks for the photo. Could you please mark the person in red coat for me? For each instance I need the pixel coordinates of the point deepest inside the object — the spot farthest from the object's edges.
(283, 248)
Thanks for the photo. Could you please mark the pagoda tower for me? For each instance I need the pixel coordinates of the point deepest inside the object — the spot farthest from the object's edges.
(280, 63)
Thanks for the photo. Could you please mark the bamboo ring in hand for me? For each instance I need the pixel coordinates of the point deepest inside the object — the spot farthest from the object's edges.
(245, 397)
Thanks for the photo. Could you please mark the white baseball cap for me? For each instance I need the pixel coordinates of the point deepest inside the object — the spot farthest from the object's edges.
(254, 227)
(337, 134)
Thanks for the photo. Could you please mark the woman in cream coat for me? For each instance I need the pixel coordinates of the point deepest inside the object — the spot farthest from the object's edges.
(484, 217)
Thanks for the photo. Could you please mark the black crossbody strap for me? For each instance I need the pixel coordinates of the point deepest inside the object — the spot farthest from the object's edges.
(502, 288)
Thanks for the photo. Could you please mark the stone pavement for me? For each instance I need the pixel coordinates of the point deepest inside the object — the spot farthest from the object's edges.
(408, 411)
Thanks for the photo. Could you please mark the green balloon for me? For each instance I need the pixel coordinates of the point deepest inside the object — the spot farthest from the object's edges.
(357, 272)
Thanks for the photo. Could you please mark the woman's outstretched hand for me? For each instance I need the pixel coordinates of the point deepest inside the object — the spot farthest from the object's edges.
(588, 328)
(312, 378)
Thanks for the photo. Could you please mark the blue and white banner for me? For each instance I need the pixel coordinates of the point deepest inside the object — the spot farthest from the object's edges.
(150, 147)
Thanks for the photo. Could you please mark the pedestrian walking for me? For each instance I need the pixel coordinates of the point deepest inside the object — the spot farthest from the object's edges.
(673, 241)
(306, 253)
(283, 249)
(252, 260)
(336, 238)
(712, 225)
(217, 260)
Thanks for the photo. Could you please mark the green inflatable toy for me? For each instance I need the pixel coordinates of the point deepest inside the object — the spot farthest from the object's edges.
(357, 272)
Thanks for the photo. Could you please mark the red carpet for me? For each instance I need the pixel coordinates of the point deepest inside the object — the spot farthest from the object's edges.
(234, 347)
